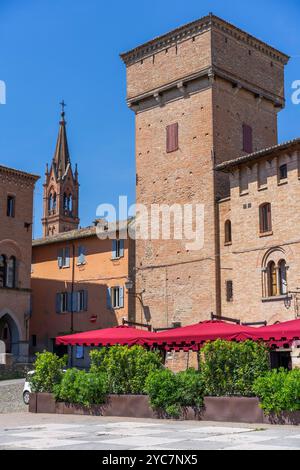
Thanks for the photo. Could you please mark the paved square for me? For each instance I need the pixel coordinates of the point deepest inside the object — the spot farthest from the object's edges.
(68, 432)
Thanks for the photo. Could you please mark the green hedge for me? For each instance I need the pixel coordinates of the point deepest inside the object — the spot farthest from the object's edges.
(170, 392)
(127, 368)
(226, 369)
(279, 390)
(48, 372)
(83, 388)
(230, 369)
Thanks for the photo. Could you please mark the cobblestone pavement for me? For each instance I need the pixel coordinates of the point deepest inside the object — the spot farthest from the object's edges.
(28, 431)
(11, 400)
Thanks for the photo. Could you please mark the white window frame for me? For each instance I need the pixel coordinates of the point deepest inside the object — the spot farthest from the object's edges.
(116, 297)
(64, 302)
(80, 300)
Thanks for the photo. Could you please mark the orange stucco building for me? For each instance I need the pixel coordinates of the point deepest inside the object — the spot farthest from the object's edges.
(78, 284)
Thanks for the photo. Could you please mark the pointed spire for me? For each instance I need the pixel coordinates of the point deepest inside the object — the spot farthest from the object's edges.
(62, 157)
(46, 173)
(76, 172)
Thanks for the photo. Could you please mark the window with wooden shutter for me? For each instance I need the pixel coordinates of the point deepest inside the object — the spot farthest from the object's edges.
(117, 297)
(228, 236)
(247, 138)
(282, 271)
(229, 291)
(11, 204)
(108, 298)
(172, 137)
(265, 218)
(283, 172)
(272, 279)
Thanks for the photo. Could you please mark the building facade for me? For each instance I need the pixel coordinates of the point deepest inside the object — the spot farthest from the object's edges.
(78, 283)
(16, 214)
(204, 95)
(259, 242)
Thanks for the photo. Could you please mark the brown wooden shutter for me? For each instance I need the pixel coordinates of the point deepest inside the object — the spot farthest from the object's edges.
(172, 137)
(269, 218)
(229, 291)
(261, 219)
(247, 138)
(228, 237)
(265, 218)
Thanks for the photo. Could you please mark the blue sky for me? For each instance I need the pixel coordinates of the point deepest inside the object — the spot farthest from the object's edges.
(54, 49)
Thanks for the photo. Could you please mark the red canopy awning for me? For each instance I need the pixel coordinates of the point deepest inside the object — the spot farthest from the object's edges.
(280, 333)
(123, 335)
(187, 337)
(195, 335)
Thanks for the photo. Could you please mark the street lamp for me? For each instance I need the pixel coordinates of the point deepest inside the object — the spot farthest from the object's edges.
(129, 284)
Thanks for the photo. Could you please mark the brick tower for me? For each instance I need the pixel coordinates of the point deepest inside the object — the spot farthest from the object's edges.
(202, 94)
(61, 188)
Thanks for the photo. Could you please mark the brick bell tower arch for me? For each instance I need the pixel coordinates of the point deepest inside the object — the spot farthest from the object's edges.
(61, 188)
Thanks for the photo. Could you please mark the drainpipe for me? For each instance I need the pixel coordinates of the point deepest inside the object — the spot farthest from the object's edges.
(72, 295)
(72, 287)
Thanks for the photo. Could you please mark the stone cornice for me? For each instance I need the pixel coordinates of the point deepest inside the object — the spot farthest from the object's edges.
(209, 73)
(195, 28)
(176, 83)
(19, 174)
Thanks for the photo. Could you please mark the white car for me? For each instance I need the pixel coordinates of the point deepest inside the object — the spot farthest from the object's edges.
(27, 389)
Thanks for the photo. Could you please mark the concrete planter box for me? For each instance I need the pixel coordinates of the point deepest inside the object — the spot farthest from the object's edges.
(130, 406)
(224, 409)
(290, 418)
(42, 403)
(233, 409)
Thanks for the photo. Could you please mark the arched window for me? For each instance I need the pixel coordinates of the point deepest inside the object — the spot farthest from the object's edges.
(70, 203)
(2, 270)
(228, 234)
(272, 279)
(282, 277)
(265, 218)
(54, 202)
(50, 203)
(11, 273)
(66, 202)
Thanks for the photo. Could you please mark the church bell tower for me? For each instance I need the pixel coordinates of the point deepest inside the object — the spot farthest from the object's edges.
(61, 188)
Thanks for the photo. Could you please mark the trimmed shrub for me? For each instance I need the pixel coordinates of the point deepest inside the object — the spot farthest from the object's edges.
(170, 392)
(83, 388)
(162, 388)
(191, 388)
(127, 368)
(48, 372)
(279, 390)
(231, 368)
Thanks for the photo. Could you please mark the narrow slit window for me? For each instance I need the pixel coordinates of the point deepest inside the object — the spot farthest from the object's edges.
(11, 206)
(247, 138)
